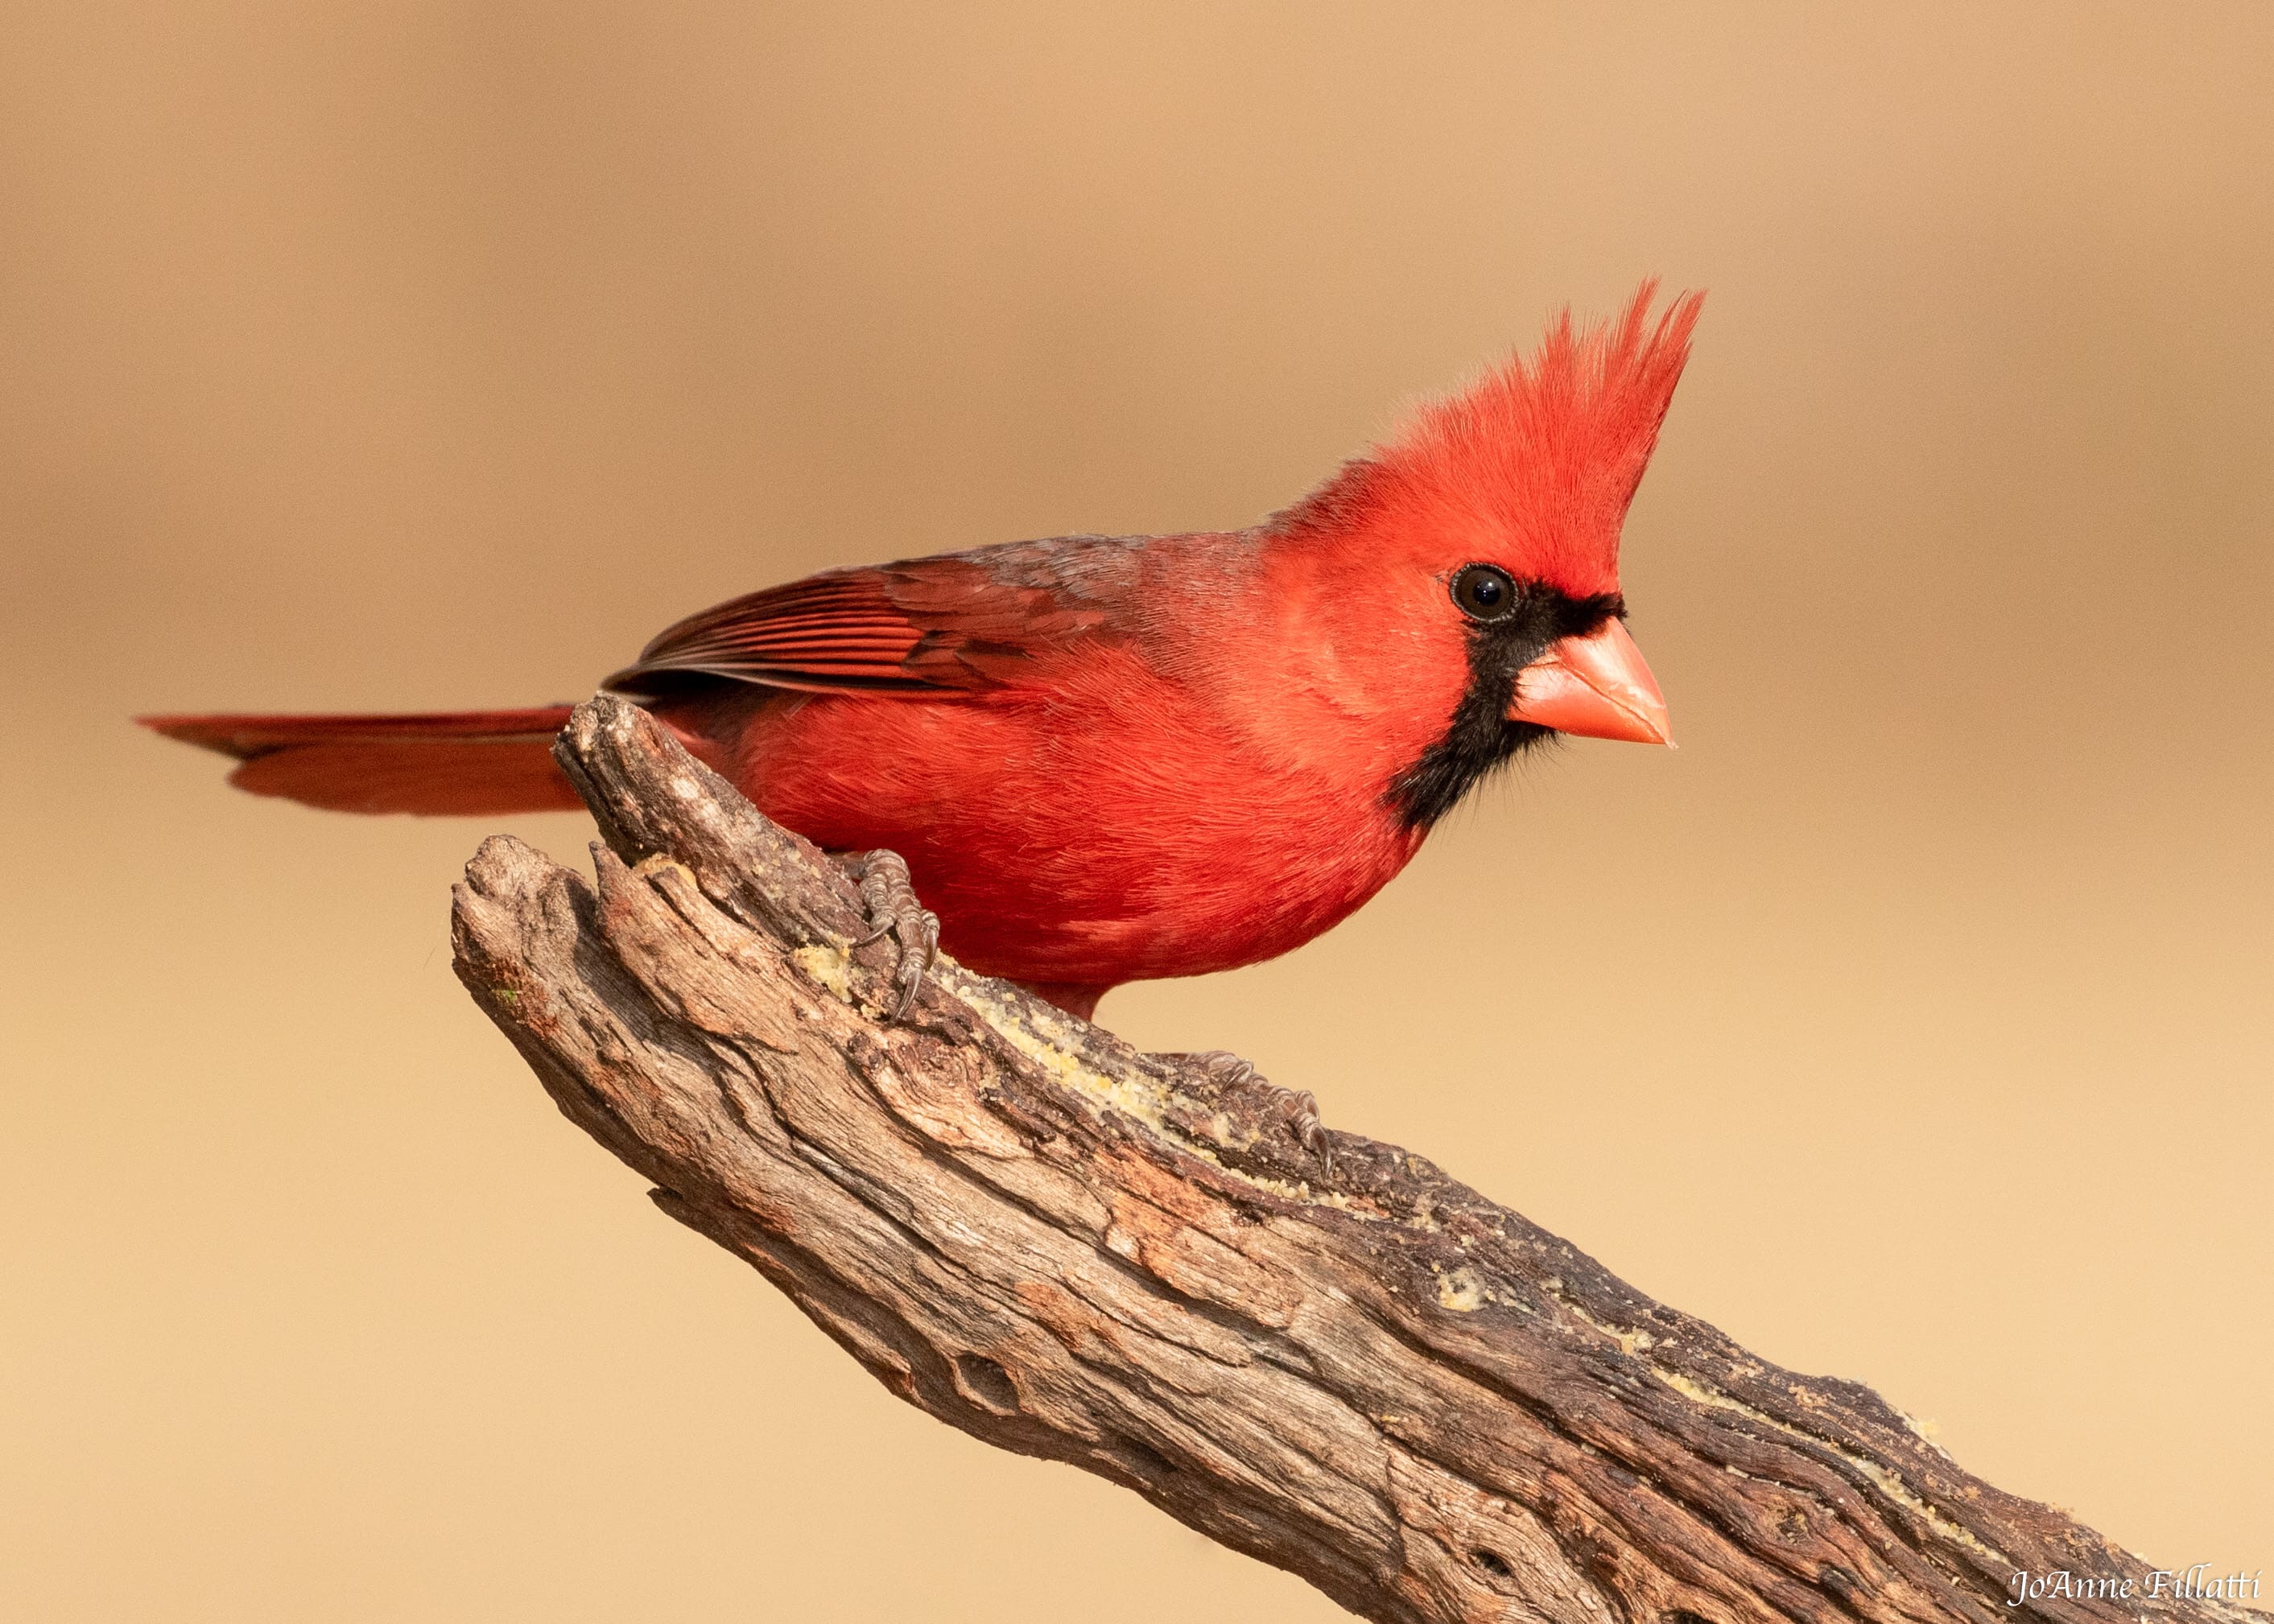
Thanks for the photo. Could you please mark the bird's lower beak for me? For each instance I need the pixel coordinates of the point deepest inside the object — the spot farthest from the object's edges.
(1596, 686)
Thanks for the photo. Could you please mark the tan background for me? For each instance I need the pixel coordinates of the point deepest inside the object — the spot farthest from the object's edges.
(1913, 1022)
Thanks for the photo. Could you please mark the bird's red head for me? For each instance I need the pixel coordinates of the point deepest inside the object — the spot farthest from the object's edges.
(1534, 466)
(1486, 531)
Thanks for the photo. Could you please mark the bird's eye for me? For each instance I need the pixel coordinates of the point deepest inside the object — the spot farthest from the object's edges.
(1484, 593)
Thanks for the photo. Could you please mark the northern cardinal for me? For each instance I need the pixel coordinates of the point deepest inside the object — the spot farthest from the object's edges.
(1112, 758)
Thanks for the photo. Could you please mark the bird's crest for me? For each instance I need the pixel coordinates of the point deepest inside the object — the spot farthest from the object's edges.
(1536, 461)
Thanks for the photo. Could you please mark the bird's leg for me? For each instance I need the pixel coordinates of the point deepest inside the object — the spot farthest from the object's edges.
(1298, 1106)
(889, 900)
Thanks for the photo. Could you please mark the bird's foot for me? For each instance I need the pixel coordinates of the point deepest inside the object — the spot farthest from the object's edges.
(889, 900)
(1297, 1107)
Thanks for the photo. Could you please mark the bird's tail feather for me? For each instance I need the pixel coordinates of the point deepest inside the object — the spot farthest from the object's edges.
(465, 763)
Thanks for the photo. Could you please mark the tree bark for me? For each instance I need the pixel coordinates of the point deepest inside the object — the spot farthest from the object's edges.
(1329, 1356)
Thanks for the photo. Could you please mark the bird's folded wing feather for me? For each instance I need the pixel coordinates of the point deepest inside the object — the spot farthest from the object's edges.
(936, 626)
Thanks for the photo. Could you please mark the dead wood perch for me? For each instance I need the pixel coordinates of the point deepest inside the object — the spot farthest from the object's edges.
(1337, 1360)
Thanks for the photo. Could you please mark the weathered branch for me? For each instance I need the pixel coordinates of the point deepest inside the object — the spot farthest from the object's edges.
(1336, 1359)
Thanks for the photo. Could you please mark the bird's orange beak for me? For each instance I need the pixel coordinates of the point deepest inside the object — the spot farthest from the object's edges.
(1596, 686)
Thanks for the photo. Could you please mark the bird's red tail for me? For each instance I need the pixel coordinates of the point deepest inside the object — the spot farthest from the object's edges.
(479, 763)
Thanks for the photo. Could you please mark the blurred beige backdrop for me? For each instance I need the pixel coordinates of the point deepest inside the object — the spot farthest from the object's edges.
(1913, 1022)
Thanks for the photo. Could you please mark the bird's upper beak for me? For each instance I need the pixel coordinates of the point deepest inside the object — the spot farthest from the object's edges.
(1596, 686)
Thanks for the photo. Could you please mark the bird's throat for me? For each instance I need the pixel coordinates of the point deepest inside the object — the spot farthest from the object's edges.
(1478, 739)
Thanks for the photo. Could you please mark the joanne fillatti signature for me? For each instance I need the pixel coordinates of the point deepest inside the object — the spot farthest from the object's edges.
(2195, 1583)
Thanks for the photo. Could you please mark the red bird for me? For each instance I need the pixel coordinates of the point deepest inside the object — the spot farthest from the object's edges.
(1112, 758)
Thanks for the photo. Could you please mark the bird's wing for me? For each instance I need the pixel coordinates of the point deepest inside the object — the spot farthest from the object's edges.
(931, 626)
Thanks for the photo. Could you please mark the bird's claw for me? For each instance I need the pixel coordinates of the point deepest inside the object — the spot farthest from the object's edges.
(1299, 1105)
(889, 900)
(1226, 1069)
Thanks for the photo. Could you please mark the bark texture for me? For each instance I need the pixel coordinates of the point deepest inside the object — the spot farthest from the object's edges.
(1329, 1356)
